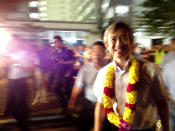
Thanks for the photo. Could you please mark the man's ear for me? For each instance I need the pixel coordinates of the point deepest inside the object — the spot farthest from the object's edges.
(106, 45)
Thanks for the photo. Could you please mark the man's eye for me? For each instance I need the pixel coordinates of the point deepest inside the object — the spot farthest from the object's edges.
(113, 39)
(123, 37)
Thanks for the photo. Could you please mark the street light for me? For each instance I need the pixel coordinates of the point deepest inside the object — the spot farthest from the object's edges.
(122, 9)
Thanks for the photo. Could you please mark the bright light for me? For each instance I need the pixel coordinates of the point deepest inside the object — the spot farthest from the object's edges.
(71, 39)
(33, 4)
(43, 3)
(43, 19)
(122, 9)
(5, 38)
(43, 14)
(43, 8)
(34, 15)
(52, 44)
(138, 34)
(105, 5)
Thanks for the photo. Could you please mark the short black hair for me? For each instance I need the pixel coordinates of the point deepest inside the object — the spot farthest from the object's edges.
(100, 43)
(58, 38)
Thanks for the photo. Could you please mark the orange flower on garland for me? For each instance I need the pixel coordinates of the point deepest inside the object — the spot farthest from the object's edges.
(124, 123)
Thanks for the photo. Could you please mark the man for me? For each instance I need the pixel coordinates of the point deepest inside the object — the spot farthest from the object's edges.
(169, 78)
(129, 91)
(62, 62)
(20, 69)
(170, 48)
(84, 82)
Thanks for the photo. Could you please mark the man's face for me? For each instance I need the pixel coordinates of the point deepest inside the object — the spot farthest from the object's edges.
(119, 44)
(57, 43)
(97, 53)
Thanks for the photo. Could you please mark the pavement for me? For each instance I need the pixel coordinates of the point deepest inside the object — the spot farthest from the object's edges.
(43, 117)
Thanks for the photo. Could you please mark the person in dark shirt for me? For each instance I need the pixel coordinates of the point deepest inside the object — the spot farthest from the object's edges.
(62, 60)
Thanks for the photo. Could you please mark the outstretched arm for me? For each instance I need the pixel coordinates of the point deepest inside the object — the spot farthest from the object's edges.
(75, 92)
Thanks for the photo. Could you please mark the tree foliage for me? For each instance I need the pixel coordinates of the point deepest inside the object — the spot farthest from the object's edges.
(157, 17)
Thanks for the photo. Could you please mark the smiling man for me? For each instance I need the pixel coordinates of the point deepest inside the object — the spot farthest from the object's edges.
(129, 91)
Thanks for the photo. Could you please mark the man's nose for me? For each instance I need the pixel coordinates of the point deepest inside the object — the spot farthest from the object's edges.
(117, 43)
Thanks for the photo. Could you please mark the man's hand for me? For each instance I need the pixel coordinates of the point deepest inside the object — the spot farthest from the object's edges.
(70, 107)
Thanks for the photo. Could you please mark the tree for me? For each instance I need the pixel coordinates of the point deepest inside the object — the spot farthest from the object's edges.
(157, 17)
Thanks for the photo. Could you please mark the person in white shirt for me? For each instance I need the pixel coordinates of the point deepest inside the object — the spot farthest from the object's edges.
(84, 82)
(168, 74)
(129, 91)
(20, 68)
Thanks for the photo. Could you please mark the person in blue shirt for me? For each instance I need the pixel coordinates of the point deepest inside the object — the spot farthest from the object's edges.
(62, 60)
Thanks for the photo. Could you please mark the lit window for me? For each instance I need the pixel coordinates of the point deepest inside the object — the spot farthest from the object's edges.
(43, 19)
(33, 4)
(43, 8)
(138, 34)
(105, 5)
(43, 3)
(34, 15)
(122, 9)
(43, 14)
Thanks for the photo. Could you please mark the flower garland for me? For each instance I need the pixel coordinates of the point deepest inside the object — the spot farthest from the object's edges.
(124, 123)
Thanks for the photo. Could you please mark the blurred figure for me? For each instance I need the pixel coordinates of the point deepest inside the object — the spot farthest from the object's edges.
(62, 60)
(138, 52)
(20, 68)
(170, 48)
(159, 53)
(84, 82)
(41, 74)
(80, 53)
(168, 74)
(86, 55)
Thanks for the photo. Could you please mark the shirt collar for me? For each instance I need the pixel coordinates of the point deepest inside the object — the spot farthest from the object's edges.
(126, 67)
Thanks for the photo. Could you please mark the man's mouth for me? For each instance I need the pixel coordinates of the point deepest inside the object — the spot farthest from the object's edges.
(121, 48)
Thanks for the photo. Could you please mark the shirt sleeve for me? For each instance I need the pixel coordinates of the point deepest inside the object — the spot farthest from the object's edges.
(80, 78)
(164, 76)
(98, 85)
(70, 55)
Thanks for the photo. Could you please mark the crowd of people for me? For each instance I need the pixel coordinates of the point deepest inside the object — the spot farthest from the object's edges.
(125, 87)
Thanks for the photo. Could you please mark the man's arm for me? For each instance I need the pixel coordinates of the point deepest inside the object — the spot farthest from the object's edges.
(67, 62)
(75, 92)
(99, 117)
(77, 89)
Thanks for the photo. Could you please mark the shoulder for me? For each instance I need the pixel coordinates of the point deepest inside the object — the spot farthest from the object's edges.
(148, 67)
(169, 65)
(147, 64)
(87, 66)
(103, 70)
